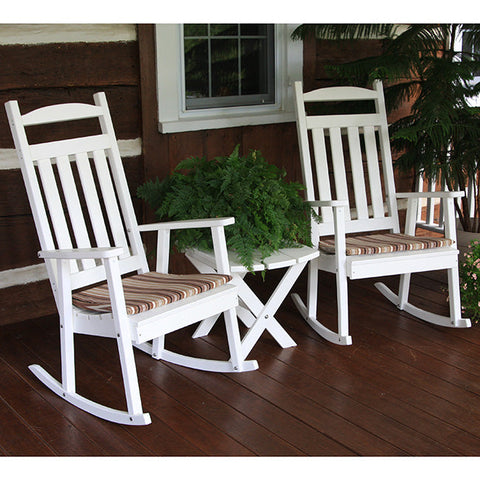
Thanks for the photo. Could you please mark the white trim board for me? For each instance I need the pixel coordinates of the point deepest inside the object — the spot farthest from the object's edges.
(23, 275)
(36, 34)
(128, 148)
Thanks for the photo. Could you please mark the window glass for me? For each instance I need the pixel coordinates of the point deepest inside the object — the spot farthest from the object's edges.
(228, 65)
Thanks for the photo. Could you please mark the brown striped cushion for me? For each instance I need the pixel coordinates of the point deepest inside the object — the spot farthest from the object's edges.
(149, 290)
(385, 243)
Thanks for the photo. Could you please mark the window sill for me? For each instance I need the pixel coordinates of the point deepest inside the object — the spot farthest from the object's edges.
(208, 122)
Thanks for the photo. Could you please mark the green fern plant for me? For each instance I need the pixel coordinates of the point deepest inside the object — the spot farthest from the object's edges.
(269, 212)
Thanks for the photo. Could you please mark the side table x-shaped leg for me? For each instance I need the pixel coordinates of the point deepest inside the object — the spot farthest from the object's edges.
(257, 316)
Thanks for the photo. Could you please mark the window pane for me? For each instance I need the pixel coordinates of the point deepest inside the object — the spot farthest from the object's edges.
(195, 30)
(225, 79)
(217, 29)
(253, 29)
(254, 73)
(230, 65)
(196, 68)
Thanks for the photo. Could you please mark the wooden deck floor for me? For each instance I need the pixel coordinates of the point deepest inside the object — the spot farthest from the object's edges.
(403, 388)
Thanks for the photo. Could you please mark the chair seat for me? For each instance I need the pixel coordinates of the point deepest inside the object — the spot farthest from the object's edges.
(149, 290)
(384, 243)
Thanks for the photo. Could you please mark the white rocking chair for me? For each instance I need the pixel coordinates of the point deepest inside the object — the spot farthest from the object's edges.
(367, 254)
(88, 233)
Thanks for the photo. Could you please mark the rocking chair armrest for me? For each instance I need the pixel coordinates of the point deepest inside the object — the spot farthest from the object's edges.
(218, 235)
(82, 253)
(328, 203)
(184, 224)
(456, 194)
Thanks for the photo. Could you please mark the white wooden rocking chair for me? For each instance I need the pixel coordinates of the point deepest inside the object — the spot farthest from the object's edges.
(368, 254)
(88, 233)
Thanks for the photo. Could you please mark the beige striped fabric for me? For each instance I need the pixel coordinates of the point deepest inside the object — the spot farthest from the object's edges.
(385, 243)
(149, 290)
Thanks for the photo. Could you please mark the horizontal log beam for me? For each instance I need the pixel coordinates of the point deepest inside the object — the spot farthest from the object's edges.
(69, 65)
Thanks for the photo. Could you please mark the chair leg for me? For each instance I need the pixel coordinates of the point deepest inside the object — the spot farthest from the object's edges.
(124, 340)
(454, 299)
(312, 289)
(158, 344)
(67, 354)
(403, 290)
(309, 311)
(234, 340)
(342, 305)
(66, 389)
(130, 377)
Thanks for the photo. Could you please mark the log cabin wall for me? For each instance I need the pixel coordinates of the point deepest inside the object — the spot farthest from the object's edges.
(42, 65)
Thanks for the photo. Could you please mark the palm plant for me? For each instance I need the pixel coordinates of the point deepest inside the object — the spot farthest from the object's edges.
(423, 64)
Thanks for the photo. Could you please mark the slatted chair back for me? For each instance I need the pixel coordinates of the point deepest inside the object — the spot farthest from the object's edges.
(353, 141)
(78, 190)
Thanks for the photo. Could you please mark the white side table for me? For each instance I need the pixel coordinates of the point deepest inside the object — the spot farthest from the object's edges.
(253, 313)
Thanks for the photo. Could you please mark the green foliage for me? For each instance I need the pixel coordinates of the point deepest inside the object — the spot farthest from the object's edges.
(470, 282)
(422, 64)
(269, 212)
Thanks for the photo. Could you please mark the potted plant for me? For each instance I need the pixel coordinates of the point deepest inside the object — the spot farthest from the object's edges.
(269, 212)
(429, 67)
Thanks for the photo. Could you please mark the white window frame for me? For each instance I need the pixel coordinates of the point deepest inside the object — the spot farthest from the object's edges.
(173, 115)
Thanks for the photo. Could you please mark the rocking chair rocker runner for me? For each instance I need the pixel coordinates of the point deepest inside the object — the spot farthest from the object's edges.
(88, 234)
(342, 141)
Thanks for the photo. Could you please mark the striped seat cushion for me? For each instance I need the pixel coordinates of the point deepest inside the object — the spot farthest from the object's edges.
(385, 243)
(149, 290)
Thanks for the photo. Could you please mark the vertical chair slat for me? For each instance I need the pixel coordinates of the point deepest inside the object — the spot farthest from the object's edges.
(91, 197)
(55, 207)
(357, 172)
(110, 201)
(338, 159)
(303, 143)
(373, 171)
(74, 208)
(321, 165)
(386, 158)
(120, 181)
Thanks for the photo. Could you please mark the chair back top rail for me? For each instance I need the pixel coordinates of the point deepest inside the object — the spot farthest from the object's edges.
(61, 113)
(337, 94)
